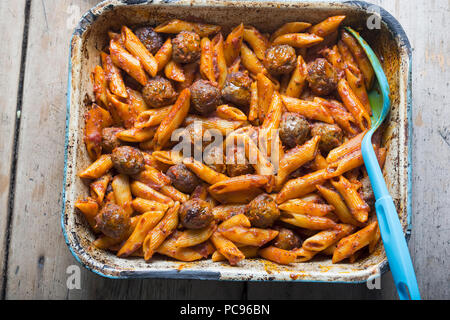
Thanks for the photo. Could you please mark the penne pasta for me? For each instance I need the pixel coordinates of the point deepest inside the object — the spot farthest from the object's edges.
(98, 168)
(356, 82)
(324, 239)
(265, 90)
(122, 192)
(295, 158)
(290, 27)
(147, 221)
(99, 186)
(151, 118)
(204, 172)
(206, 61)
(250, 61)
(161, 231)
(227, 248)
(297, 81)
(174, 119)
(164, 54)
(309, 222)
(358, 208)
(176, 26)
(141, 190)
(192, 237)
(278, 255)
(113, 76)
(249, 236)
(96, 118)
(301, 186)
(100, 86)
(327, 27)
(247, 251)
(353, 105)
(354, 242)
(174, 71)
(136, 48)
(257, 41)
(219, 63)
(125, 61)
(228, 112)
(361, 58)
(232, 45)
(143, 205)
(298, 40)
(306, 207)
(304, 255)
(309, 109)
(89, 208)
(137, 134)
(226, 211)
(340, 208)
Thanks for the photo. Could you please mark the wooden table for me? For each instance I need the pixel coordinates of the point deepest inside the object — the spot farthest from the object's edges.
(33, 255)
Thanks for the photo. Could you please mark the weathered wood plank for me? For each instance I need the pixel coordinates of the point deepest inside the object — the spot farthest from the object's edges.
(10, 14)
(38, 254)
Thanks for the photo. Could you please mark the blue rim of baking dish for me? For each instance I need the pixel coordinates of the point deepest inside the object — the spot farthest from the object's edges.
(393, 25)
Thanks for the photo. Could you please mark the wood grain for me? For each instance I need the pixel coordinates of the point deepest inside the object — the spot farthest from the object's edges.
(38, 256)
(10, 13)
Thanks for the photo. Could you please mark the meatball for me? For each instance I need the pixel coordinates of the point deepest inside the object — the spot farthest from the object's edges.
(322, 77)
(109, 139)
(186, 47)
(237, 89)
(182, 178)
(286, 239)
(262, 211)
(195, 214)
(294, 129)
(152, 40)
(280, 59)
(127, 160)
(238, 163)
(204, 97)
(330, 136)
(213, 158)
(113, 221)
(159, 92)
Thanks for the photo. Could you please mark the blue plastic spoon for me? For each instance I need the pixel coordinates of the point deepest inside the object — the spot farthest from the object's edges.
(390, 228)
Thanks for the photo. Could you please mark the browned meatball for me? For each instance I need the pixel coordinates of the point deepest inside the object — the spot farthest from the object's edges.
(286, 239)
(109, 139)
(294, 129)
(280, 59)
(237, 163)
(186, 47)
(182, 178)
(159, 92)
(204, 97)
(113, 221)
(322, 77)
(195, 214)
(237, 89)
(213, 157)
(262, 211)
(330, 136)
(127, 160)
(152, 40)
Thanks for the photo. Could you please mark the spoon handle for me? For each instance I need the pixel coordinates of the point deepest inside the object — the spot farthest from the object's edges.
(390, 228)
